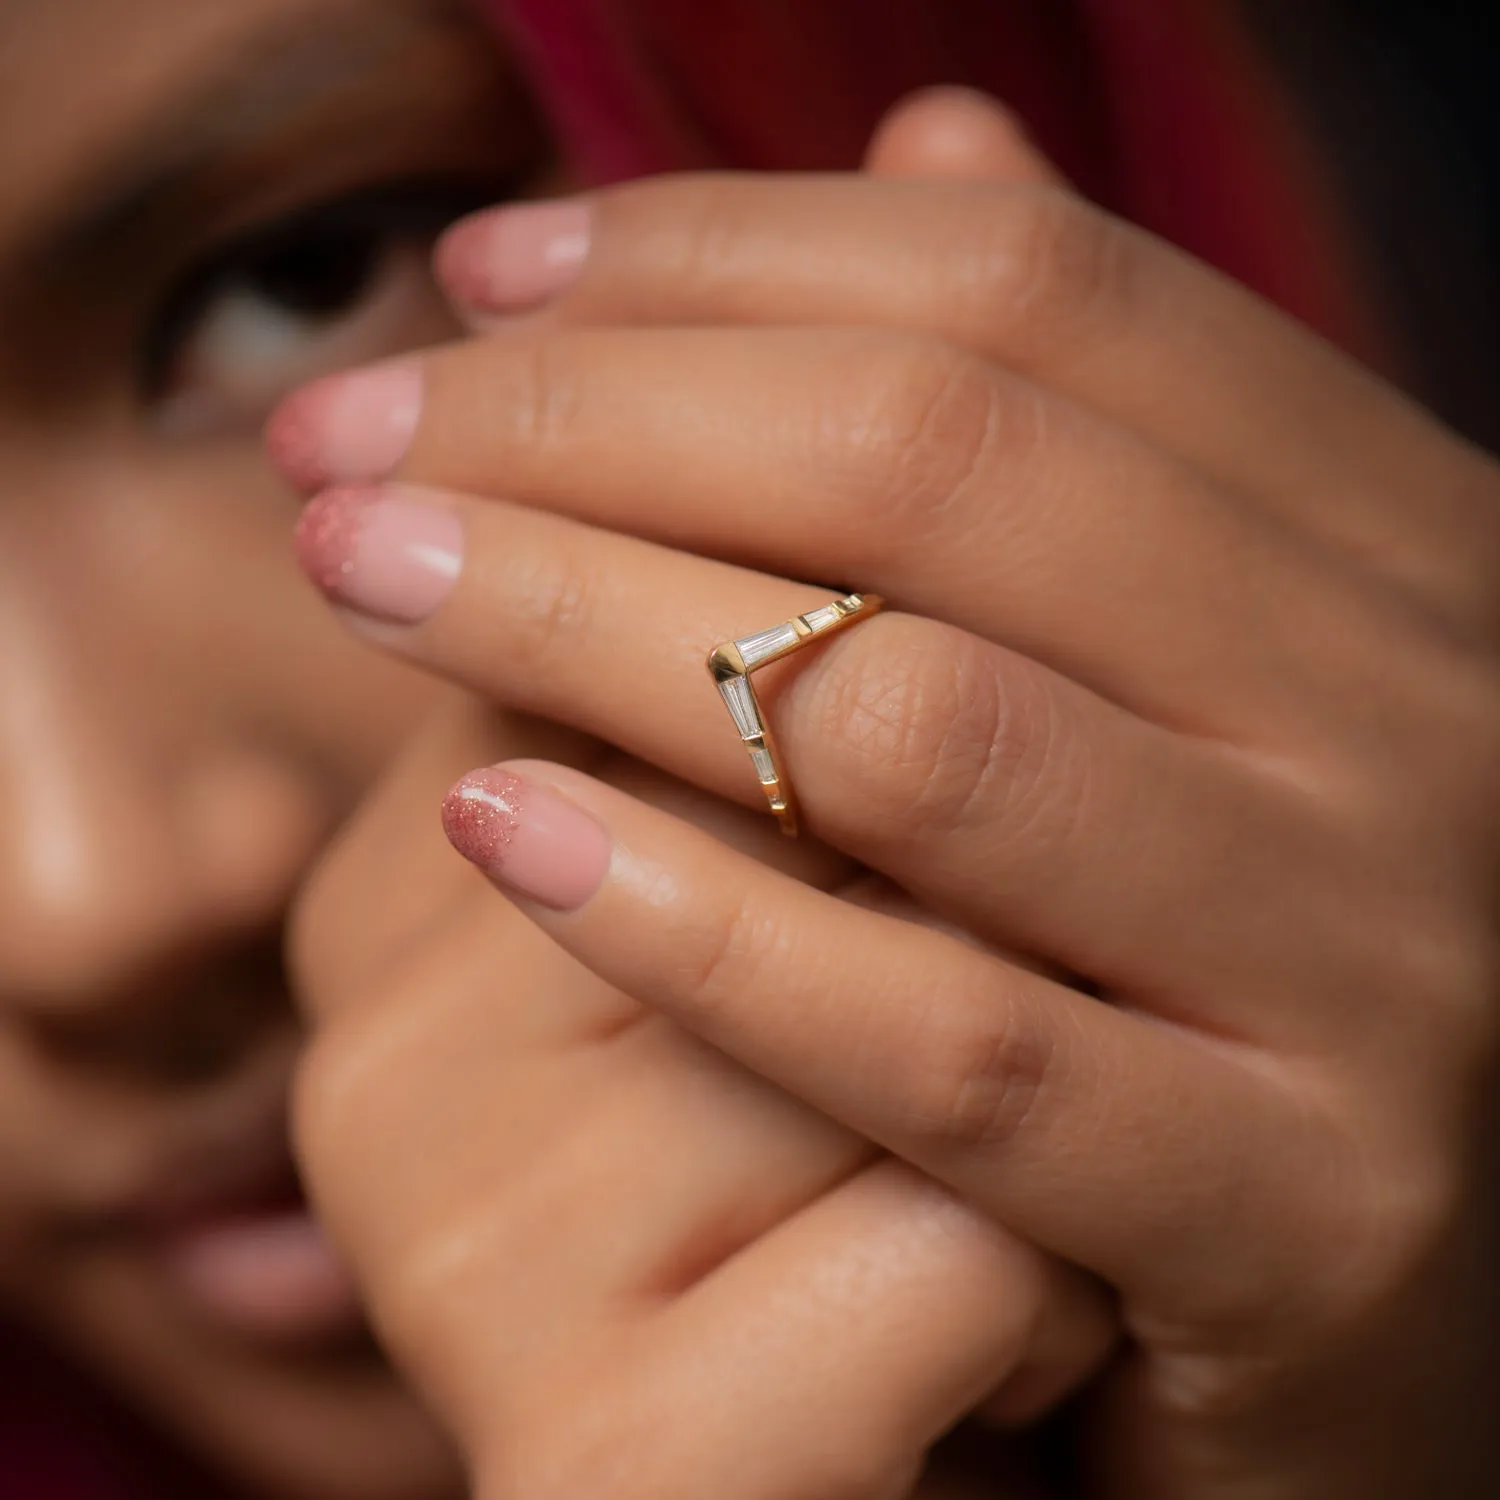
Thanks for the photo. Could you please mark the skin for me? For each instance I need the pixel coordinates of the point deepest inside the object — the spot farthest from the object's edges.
(1264, 1116)
(168, 787)
(183, 727)
(609, 1133)
(584, 1217)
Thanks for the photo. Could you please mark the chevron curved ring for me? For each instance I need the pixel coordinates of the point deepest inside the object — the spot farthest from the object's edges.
(732, 664)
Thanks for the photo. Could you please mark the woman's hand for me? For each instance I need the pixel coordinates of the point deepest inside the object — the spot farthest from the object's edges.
(1191, 690)
(614, 1261)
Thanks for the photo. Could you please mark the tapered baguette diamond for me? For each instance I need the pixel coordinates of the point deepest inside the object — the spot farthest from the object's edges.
(821, 619)
(730, 665)
(766, 643)
(765, 767)
(737, 695)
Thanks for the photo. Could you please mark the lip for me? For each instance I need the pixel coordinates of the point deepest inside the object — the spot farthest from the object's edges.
(213, 1213)
(258, 1268)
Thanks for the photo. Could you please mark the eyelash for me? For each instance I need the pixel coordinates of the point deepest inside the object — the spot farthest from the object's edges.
(325, 247)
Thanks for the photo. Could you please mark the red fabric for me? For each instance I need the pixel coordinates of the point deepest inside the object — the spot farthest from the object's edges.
(1165, 112)
(780, 84)
(63, 1439)
(1210, 153)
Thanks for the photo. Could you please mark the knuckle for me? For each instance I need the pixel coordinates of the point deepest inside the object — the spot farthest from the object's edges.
(993, 758)
(539, 406)
(346, 1079)
(419, 1245)
(941, 735)
(421, 1290)
(724, 953)
(690, 233)
(1373, 1206)
(985, 1068)
(922, 420)
(1399, 1222)
(1054, 259)
(550, 595)
(527, 405)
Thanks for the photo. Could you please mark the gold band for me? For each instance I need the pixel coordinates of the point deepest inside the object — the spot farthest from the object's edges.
(732, 664)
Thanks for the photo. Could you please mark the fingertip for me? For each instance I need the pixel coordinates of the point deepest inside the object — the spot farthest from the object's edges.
(352, 427)
(515, 257)
(290, 438)
(958, 134)
(527, 837)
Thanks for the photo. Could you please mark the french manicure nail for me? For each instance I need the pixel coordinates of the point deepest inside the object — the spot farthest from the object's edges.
(506, 259)
(347, 428)
(379, 553)
(527, 837)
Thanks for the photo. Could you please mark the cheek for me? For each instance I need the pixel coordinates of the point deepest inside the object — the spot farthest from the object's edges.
(225, 638)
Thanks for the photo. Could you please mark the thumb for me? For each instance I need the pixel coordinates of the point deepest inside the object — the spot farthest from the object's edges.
(956, 134)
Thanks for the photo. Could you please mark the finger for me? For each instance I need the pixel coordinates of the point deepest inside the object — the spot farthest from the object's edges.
(957, 134)
(608, 1172)
(389, 882)
(911, 469)
(973, 777)
(867, 1325)
(1114, 1142)
(512, 1153)
(389, 879)
(1051, 287)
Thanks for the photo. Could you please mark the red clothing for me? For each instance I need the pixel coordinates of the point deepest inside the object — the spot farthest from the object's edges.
(62, 1439)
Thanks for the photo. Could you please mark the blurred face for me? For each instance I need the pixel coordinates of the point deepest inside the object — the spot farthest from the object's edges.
(201, 205)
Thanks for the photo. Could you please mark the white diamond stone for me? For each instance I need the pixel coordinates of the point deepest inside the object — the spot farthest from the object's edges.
(765, 767)
(736, 693)
(766, 643)
(821, 619)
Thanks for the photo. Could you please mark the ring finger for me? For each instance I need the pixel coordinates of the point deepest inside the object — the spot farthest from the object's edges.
(1081, 1127)
(625, 1198)
(1041, 281)
(976, 778)
(887, 462)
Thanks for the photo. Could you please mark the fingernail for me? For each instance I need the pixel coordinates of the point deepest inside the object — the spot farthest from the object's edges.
(380, 554)
(527, 838)
(347, 428)
(517, 256)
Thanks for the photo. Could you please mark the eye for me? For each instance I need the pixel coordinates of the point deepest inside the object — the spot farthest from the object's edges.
(331, 286)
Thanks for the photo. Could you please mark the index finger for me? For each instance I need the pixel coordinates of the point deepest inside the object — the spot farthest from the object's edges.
(1036, 278)
(1112, 1141)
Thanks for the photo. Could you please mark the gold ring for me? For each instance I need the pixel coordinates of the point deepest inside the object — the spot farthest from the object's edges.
(732, 664)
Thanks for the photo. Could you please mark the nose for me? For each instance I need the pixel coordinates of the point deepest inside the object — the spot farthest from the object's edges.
(123, 853)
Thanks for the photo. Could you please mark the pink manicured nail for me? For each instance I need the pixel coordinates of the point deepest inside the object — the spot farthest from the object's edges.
(379, 553)
(515, 257)
(347, 428)
(527, 837)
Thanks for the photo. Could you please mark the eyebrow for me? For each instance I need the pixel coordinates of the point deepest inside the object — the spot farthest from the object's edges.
(286, 68)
